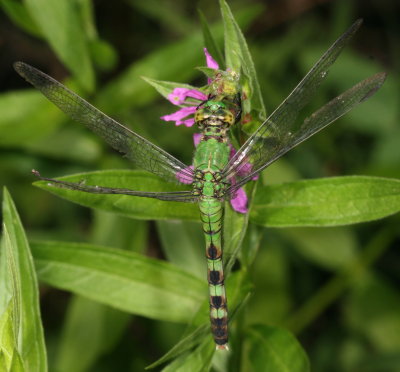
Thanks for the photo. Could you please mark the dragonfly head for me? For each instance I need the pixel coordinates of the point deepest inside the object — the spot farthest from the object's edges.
(214, 118)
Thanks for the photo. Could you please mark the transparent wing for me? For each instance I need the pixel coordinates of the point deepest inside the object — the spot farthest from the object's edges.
(181, 196)
(280, 132)
(137, 149)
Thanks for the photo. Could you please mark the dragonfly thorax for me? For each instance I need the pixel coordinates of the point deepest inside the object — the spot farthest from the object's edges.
(208, 184)
(214, 119)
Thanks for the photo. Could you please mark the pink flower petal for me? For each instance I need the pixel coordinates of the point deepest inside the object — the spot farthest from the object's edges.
(196, 94)
(239, 202)
(197, 138)
(183, 177)
(187, 123)
(179, 95)
(180, 114)
(211, 62)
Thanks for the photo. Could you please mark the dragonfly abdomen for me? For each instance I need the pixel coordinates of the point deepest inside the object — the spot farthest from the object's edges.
(211, 210)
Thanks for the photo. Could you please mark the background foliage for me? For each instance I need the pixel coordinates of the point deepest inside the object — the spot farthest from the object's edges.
(335, 288)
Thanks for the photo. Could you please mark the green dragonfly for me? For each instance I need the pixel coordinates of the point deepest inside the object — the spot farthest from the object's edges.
(215, 176)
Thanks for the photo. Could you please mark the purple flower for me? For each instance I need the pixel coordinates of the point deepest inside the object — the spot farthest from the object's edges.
(239, 202)
(211, 62)
(179, 95)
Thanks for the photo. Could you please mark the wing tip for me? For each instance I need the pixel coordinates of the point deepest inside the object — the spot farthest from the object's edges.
(378, 80)
(19, 66)
(353, 28)
(23, 69)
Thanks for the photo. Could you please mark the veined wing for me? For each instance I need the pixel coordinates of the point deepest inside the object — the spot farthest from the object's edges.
(136, 148)
(280, 132)
(181, 196)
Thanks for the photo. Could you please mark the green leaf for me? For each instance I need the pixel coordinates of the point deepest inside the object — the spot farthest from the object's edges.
(165, 88)
(3, 366)
(173, 18)
(275, 350)
(7, 337)
(130, 206)
(373, 310)
(326, 201)
(17, 364)
(26, 117)
(235, 227)
(185, 344)
(198, 360)
(104, 56)
(127, 281)
(238, 287)
(331, 248)
(61, 24)
(233, 52)
(89, 325)
(18, 13)
(57, 145)
(238, 57)
(24, 288)
(30, 122)
(183, 245)
(210, 42)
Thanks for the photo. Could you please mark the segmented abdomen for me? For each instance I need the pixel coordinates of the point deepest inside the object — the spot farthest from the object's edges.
(211, 211)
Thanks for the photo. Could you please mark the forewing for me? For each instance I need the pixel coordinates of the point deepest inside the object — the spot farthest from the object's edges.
(136, 148)
(280, 132)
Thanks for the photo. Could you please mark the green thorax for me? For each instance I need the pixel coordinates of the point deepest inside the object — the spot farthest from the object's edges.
(212, 153)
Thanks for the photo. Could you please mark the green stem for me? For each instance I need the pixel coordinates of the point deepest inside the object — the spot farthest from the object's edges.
(337, 285)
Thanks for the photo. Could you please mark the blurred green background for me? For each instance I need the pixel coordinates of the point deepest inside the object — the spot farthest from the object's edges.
(346, 319)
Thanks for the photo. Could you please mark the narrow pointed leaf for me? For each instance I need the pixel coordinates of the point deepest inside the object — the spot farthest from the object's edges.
(18, 13)
(185, 344)
(7, 339)
(198, 360)
(238, 57)
(26, 118)
(17, 364)
(165, 88)
(210, 42)
(326, 201)
(89, 325)
(127, 281)
(24, 289)
(60, 23)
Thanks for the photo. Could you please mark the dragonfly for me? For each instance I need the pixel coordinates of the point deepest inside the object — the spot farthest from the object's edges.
(215, 176)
